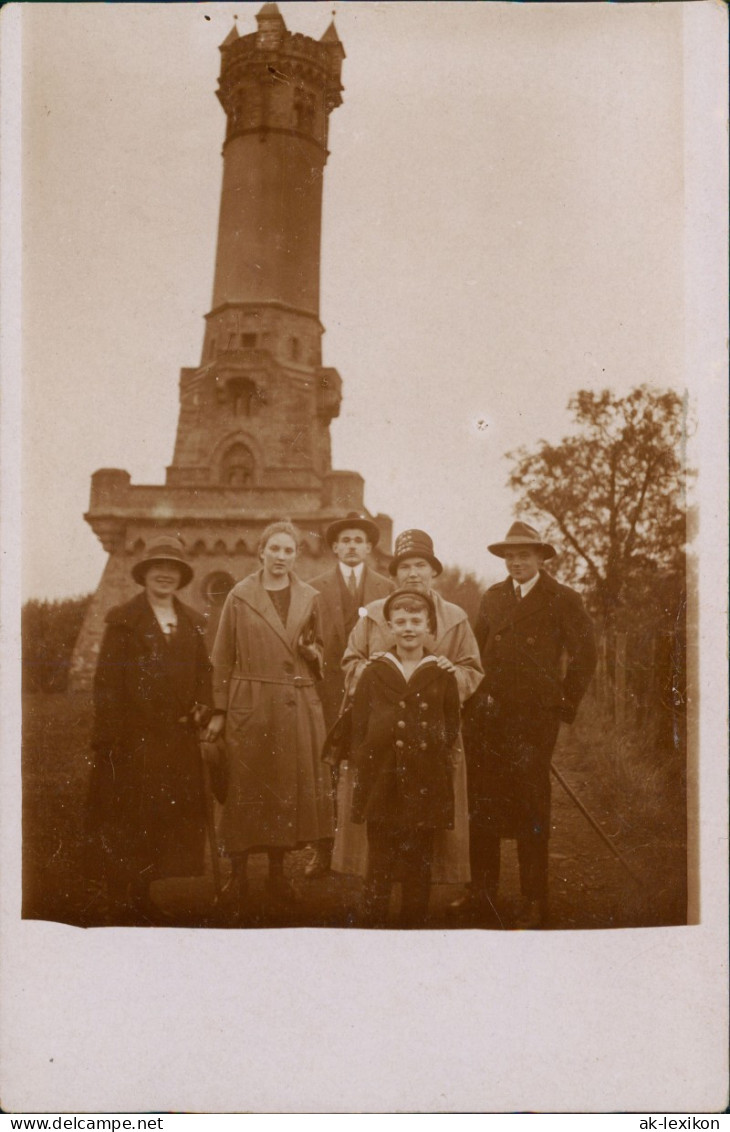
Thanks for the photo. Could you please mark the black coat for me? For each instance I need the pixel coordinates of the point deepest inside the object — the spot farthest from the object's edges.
(538, 656)
(146, 802)
(403, 735)
(338, 616)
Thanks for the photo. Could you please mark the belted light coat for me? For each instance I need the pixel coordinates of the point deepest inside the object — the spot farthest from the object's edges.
(279, 793)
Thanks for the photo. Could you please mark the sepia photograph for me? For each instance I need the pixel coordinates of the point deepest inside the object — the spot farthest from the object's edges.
(165, 813)
(362, 466)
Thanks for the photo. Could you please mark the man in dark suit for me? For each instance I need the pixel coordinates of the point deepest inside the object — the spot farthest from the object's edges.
(538, 653)
(344, 590)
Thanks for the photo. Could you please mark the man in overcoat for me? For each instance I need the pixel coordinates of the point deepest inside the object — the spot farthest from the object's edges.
(414, 564)
(538, 652)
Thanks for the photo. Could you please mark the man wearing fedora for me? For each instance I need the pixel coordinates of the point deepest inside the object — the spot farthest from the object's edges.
(344, 589)
(538, 653)
(414, 565)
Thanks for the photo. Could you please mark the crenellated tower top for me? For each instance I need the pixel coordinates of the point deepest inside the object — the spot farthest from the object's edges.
(274, 79)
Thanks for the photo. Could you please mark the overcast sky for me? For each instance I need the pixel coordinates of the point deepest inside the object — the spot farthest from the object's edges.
(502, 227)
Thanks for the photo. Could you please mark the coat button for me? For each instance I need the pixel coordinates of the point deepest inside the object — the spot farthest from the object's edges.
(399, 743)
(498, 637)
(402, 704)
(401, 723)
(530, 640)
(423, 746)
(423, 706)
(424, 725)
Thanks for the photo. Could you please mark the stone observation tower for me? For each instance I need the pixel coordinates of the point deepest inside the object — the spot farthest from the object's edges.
(253, 440)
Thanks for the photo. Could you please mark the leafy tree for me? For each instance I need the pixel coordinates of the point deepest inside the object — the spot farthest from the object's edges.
(49, 630)
(613, 493)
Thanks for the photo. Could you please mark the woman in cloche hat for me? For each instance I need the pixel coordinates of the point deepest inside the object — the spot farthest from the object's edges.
(146, 809)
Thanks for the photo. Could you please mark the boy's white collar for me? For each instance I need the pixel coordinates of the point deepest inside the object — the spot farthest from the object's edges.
(424, 660)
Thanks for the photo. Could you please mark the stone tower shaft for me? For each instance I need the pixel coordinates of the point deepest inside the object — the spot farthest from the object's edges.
(256, 413)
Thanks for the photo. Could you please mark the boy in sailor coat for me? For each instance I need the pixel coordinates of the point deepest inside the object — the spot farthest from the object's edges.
(538, 654)
(406, 719)
(414, 565)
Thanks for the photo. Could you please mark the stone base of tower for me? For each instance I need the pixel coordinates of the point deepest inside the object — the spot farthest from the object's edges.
(221, 545)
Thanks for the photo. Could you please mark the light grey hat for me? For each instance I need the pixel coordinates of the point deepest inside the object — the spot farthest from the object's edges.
(522, 534)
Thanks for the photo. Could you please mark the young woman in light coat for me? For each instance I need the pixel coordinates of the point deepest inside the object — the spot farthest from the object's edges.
(266, 661)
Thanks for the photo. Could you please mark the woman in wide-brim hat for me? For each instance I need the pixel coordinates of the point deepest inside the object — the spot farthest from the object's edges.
(146, 809)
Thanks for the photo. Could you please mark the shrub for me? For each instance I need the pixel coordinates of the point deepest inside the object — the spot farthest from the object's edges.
(49, 630)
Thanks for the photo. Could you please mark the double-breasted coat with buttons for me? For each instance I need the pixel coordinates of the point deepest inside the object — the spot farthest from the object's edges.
(404, 732)
(339, 614)
(146, 803)
(455, 640)
(279, 794)
(538, 655)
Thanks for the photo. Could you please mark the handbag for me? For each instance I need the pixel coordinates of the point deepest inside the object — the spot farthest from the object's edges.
(338, 742)
(216, 760)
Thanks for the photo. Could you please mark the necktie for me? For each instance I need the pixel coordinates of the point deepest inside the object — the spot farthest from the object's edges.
(352, 583)
(518, 593)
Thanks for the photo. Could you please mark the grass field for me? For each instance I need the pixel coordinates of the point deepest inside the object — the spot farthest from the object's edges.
(636, 793)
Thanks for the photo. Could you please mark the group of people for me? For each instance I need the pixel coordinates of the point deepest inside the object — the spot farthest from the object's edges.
(358, 716)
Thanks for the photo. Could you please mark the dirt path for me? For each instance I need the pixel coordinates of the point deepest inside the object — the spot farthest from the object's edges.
(589, 887)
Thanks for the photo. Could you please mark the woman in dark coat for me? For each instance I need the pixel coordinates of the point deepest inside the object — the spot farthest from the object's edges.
(146, 812)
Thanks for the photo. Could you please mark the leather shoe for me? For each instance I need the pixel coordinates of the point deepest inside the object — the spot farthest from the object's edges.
(532, 914)
(476, 908)
(318, 864)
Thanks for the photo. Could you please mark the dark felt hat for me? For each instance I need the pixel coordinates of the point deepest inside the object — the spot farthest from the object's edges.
(353, 521)
(409, 591)
(164, 548)
(413, 544)
(522, 534)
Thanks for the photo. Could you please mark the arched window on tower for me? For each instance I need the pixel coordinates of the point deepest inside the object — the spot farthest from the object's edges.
(238, 466)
